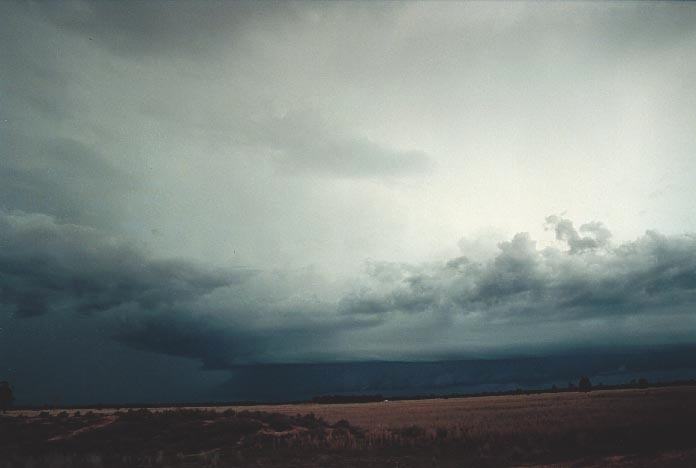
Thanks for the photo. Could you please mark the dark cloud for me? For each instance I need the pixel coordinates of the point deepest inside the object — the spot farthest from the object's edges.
(157, 305)
(225, 343)
(61, 177)
(47, 266)
(302, 382)
(47, 169)
(269, 134)
(227, 318)
(147, 28)
(184, 334)
(32, 74)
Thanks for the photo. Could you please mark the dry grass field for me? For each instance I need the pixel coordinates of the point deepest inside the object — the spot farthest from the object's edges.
(515, 412)
(631, 427)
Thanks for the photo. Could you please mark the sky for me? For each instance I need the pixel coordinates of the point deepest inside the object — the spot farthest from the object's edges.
(187, 187)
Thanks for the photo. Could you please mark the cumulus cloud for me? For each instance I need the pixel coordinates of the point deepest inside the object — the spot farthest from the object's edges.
(591, 279)
(598, 234)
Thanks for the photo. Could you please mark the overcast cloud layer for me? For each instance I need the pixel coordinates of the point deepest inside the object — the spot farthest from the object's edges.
(238, 183)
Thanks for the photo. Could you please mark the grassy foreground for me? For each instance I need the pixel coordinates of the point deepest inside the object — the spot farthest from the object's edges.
(646, 427)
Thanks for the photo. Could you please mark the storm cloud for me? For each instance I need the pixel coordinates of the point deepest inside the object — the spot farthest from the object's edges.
(169, 306)
(225, 318)
(208, 185)
(46, 266)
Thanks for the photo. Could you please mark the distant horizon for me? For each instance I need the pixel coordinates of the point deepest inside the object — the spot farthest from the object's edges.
(661, 365)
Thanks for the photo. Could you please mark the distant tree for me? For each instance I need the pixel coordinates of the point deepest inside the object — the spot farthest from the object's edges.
(6, 396)
(347, 398)
(571, 386)
(584, 385)
(643, 382)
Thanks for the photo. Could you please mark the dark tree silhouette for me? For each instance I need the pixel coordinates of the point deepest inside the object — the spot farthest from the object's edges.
(584, 385)
(6, 397)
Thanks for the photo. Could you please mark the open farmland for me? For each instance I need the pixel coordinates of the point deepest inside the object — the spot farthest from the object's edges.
(636, 427)
(521, 412)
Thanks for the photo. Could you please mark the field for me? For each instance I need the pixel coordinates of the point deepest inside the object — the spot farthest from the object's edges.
(636, 427)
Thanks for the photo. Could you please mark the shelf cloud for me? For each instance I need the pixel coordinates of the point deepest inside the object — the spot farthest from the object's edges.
(225, 318)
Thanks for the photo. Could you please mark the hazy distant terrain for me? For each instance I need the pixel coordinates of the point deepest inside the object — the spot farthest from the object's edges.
(636, 427)
(304, 381)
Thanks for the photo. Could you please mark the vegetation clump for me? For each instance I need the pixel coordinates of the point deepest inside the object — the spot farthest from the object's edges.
(584, 385)
(6, 396)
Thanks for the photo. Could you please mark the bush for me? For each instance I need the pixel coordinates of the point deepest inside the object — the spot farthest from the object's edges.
(342, 424)
(6, 396)
(413, 432)
(584, 385)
